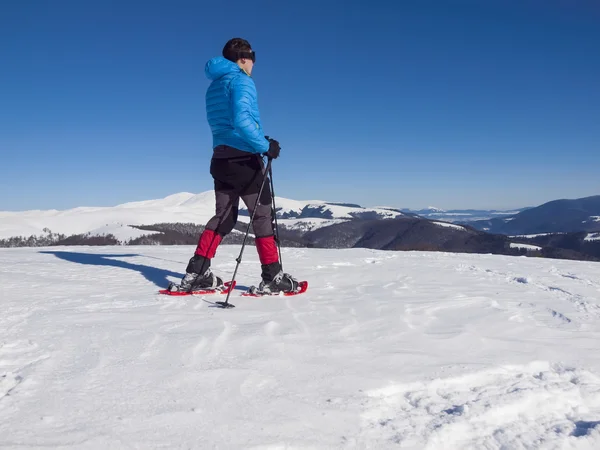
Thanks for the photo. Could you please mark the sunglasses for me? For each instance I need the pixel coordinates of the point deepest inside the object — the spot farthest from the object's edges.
(247, 55)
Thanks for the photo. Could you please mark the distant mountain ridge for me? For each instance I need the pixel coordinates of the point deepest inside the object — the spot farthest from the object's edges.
(557, 216)
(318, 209)
(462, 215)
(178, 219)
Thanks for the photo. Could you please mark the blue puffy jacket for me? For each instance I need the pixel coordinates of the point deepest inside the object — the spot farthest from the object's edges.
(232, 107)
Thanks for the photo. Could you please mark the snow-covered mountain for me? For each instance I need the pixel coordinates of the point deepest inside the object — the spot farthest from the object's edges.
(310, 215)
(183, 207)
(186, 207)
(408, 350)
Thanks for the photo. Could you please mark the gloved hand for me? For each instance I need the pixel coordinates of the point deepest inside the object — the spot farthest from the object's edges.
(274, 148)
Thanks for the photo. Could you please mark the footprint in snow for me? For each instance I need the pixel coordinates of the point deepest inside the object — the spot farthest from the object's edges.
(14, 357)
(522, 280)
(8, 382)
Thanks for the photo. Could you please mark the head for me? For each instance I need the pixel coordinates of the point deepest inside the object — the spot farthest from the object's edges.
(240, 52)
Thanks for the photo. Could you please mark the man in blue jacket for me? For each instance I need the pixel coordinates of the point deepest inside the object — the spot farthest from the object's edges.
(238, 170)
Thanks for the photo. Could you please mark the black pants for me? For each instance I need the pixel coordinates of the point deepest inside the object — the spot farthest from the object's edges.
(236, 178)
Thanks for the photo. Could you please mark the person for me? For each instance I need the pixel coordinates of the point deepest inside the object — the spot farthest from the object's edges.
(238, 170)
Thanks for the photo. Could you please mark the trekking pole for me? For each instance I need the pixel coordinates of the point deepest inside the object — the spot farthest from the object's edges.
(226, 303)
(275, 216)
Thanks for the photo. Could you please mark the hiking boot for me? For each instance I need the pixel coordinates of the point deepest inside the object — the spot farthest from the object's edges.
(281, 282)
(198, 277)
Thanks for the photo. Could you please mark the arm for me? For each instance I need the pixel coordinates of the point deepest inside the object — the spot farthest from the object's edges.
(243, 94)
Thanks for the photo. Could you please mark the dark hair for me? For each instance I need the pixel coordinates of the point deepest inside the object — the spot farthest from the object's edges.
(236, 48)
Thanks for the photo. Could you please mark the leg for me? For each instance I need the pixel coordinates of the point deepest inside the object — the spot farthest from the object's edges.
(220, 225)
(273, 278)
(227, 199)
(198, 273)
(264, 233)
(262, 223)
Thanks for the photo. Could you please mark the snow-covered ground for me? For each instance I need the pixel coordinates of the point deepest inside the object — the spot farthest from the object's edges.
(592, 237)
(409, 350)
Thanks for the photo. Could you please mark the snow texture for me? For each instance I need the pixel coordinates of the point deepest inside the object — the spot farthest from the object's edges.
(409, 350)
(592, 237)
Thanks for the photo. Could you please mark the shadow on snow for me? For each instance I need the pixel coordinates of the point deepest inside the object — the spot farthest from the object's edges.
(152, 274)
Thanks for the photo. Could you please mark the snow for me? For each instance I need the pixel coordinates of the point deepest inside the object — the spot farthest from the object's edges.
(595, 218)
(295, 207)
(308, 224)
(592, 237)
(171, 200)
(434, 209)
(450, 225)
(188, 208)
(524, 246)
(122, 232)
(410, 350)
(344, 212)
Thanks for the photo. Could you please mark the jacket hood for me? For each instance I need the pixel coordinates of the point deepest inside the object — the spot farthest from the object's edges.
(219, 66)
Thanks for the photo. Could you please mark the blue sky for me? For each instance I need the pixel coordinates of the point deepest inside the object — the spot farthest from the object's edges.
(454, 104)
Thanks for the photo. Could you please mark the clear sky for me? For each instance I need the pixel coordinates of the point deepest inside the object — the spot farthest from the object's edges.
(454, 104)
